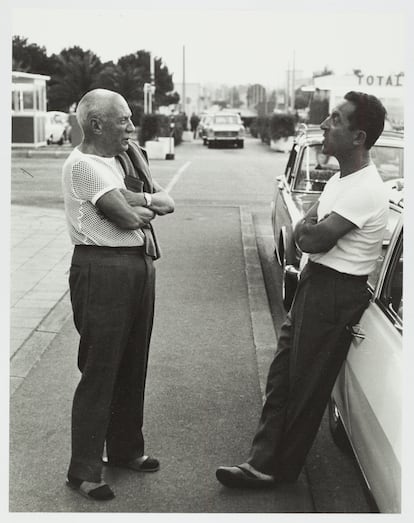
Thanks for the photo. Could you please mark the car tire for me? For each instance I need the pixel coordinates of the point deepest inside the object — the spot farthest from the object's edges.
(337, 429)
(289, 285)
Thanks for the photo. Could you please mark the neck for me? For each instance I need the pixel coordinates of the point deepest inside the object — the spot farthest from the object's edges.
(354, 162)
(87, 147)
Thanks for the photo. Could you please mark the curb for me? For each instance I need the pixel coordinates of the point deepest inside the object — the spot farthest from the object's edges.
(264, 335)
(28, 355)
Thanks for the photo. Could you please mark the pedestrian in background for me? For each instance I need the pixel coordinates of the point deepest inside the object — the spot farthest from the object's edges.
(110, 202)
(194, 121)
(343, 234)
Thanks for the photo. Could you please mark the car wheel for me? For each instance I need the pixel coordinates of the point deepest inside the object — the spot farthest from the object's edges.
(289, 285)
(337, 428)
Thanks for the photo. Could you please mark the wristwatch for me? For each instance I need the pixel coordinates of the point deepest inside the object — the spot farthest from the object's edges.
(148, 199)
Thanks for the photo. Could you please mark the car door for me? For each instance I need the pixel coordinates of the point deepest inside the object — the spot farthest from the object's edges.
(373, 383)
(280, 214)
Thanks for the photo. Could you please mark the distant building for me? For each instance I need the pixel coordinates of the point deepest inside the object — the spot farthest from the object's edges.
(388, 87)
(28, 109)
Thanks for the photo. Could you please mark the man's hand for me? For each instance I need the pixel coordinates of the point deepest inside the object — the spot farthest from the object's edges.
(116, 209)
(161, 201)
(144, 215)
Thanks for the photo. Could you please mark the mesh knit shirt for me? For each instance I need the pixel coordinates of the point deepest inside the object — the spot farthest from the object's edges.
(85, 178)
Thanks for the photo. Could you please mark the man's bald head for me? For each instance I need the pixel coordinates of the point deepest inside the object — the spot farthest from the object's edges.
(105, 120)
(97, 103)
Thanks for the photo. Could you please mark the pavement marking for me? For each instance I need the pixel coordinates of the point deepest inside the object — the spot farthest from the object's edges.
(177, 176)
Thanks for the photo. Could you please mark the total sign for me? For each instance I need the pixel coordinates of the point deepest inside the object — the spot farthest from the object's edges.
(378, 80)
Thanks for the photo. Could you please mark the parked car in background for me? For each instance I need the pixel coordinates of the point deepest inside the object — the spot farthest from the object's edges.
(203, 126)
(366, 402)
(57, 127)
(305, 176)
(224, 128)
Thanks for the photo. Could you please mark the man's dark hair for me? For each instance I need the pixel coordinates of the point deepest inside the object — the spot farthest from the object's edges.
(369, 115)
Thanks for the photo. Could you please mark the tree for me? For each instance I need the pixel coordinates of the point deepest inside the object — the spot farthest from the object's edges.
(74, 72)
(130, 74)
(29, 58)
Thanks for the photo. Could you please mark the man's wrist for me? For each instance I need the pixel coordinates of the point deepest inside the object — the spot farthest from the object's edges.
(148, 199)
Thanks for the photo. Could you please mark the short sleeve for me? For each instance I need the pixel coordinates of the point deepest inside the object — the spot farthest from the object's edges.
(358, 209)
(87, 183)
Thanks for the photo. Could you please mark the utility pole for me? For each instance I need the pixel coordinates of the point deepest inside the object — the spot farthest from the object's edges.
(183, 104)
(293, 83)
(287, 87)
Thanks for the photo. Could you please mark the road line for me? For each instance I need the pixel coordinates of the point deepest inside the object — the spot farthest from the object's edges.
(177, 176)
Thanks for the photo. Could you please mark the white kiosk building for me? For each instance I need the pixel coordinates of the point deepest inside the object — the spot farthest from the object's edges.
(28, 109)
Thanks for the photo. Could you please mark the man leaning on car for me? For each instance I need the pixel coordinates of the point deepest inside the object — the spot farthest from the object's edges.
(343, 234)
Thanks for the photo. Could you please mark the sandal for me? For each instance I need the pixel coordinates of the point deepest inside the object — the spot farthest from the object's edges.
(97, 491)
(141, 464)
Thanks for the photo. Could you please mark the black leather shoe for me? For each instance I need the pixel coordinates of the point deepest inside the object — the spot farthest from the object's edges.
(142, 464)
(238, 477)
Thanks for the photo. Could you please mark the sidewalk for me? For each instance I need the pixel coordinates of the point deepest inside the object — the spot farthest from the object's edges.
(40, 259)
(211, 337)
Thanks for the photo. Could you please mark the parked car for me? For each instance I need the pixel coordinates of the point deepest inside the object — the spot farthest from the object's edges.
(203, 126)
(365, 406)
(305, 176)
(226, 128)
(57, 127)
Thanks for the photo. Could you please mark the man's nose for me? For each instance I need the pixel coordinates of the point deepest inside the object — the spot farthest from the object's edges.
(324, 125)
(131, 126)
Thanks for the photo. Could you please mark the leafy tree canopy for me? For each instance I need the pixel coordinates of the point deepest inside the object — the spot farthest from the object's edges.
(75, 71)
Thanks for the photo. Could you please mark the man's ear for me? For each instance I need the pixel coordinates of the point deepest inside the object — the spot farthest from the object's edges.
(96, 125)
(360, 137)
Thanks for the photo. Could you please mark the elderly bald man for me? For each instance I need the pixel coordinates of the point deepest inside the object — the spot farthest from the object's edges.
(110, 203)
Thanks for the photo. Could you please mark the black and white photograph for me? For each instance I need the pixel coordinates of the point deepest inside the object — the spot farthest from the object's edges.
(203, 208)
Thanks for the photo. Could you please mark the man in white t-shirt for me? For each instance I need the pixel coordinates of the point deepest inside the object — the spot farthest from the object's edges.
(110, 201)
(343, 234)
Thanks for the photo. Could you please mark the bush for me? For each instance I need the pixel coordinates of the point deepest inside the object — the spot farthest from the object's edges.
(154, 126)
(150, 128)
(263, 128)
(254, 128)
(281, 126)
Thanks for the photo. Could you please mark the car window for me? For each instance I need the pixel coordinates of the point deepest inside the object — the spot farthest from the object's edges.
(391, 297)
(315, 169)
(389, 161)
(226, 119)
(291, 163)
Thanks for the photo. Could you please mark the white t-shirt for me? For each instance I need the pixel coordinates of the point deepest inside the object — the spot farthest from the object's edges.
(361, 198)
(85, 178)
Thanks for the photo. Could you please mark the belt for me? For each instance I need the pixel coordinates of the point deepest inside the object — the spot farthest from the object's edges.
(139, 249)
(318, 267)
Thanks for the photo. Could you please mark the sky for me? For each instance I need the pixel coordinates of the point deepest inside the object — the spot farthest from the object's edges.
(228, 42)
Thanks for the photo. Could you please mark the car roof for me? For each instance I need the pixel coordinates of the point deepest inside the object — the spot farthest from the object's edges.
(313, 134)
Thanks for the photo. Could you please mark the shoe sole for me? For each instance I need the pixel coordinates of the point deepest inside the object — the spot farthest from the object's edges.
(85, 494)
(128, 467)
(228, 479)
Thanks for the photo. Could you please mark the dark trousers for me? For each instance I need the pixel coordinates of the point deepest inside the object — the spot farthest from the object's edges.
(312, 346)
(112, 294)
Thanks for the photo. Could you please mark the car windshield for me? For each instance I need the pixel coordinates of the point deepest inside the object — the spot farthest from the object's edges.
(316, 168)
(389, 161)
(226, 119)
